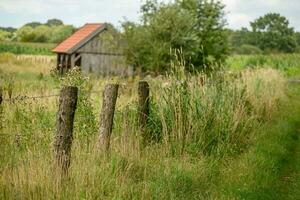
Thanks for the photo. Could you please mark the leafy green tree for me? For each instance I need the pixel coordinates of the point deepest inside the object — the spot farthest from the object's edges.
(60, 33)
(41, 34)
(149, 44)
(272, 33)
(194, 26)
(5, 36)
(209, 27)
(25, 34)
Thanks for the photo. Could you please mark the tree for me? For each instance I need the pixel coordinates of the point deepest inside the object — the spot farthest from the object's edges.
(194, 26)
(212, 46)
(33, 24)
(60, 33)
(8, 29)
(161, 30)
(41, 34)
(25, 34)
(240, 37)
(297, 36)
(272, 33)
(5, 36)
(54, 22)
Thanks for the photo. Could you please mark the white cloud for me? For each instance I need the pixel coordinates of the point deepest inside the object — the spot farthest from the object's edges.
(23, 6)
(241, 12)
(236, 20)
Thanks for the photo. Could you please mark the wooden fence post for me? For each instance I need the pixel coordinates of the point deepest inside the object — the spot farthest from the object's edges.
(1, 95)
(143, 109)
(1, 109)
(110, 95)
(64, 125)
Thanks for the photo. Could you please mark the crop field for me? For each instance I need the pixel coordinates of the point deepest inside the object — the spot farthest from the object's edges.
(228, 135)
(27, 48)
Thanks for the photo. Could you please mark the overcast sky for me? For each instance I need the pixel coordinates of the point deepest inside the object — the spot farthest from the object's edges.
(78, 12)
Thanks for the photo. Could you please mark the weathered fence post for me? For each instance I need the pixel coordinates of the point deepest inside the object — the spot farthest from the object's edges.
(143, 93)
(110, 95)
(1, 109)
(64, 125)
(1, 95)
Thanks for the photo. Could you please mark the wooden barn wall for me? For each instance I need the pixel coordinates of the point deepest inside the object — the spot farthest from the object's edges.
(100, 56)
(100, 45)
(104, 64)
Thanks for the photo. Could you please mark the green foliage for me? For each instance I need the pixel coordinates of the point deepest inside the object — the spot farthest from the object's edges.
(41, 34)
(272, 33)
(60, 33)
(25, 34)
(209, 27)
(33, 24)
(4, 35)
(297, 36)
(240, 37)
(8, 29)
(247, 49)
(54, 22)
(195, 26)
(44, 33)
(50, 23)
(54, 31)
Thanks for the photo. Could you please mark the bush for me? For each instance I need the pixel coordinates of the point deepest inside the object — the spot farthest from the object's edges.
(247, 50)
(196, 27)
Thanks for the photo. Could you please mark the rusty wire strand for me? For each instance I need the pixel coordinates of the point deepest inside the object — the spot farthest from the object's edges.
(24, 98)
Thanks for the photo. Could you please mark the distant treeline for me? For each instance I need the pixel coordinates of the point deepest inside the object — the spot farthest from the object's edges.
(270, 33)
(53, 31)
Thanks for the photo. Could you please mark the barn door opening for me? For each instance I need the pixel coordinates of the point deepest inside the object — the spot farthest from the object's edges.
(77, 60)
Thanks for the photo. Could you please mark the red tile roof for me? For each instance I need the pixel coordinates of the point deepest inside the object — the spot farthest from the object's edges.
(78, 37)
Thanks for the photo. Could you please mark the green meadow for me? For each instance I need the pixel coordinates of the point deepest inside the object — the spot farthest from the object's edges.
(233, 134)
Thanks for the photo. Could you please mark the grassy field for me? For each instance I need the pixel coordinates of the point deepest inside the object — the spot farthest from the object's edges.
(226, 136)
(287, 63)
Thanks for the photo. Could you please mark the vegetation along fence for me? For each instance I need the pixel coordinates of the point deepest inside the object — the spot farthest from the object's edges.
(66, 112)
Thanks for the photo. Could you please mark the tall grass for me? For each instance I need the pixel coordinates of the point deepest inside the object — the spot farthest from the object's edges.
(214, 115)
(196, 124)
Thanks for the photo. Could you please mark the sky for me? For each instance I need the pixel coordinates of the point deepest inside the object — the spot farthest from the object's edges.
(239, 13)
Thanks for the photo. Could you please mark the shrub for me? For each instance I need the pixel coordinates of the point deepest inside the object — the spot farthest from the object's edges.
(247, 50)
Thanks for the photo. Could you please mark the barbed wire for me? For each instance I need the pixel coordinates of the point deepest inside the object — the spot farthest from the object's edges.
(25, 97)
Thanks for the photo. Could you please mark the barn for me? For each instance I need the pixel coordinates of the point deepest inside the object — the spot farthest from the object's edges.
(94, 49)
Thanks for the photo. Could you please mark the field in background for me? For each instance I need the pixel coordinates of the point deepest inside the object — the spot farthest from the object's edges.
(26, 48)
(219, 137)
(289, 64)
